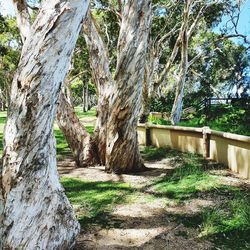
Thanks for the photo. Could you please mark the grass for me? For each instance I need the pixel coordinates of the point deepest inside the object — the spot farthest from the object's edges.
(227, 224)
(62, 147)
(94, 201)
(190, 177)
(81, 114)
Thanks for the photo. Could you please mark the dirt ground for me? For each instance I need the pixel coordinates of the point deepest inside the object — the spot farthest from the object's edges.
(145, 223)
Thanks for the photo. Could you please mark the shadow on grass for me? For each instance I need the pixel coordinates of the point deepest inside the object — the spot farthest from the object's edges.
(94, 201)
(156, 154)
(227, 224)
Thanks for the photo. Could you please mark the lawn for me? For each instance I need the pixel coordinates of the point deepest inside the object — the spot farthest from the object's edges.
(195, 196)
(61, 144)
(202, 203)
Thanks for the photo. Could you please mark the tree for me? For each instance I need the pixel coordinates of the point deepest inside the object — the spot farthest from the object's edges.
(31, 197)
(119, 97)
(122, 145)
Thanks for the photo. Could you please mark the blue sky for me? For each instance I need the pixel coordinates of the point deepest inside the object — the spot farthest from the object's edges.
(244, 23)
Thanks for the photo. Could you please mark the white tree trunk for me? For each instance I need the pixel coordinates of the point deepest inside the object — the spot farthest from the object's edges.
(122, 146)
(34, 210)
(22, 18)
(99, 60)
(178, 102)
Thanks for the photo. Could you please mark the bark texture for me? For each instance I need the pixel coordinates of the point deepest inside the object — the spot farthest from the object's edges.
(34, 210)
(23, 18)
(122, 146)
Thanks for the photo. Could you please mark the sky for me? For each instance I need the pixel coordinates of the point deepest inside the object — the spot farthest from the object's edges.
(6, 8)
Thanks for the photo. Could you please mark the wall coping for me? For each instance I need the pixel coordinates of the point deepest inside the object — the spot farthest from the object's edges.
(179, 128)
(226, 135)
(236, 137)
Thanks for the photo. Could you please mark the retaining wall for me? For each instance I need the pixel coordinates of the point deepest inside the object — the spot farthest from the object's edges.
(230, 149)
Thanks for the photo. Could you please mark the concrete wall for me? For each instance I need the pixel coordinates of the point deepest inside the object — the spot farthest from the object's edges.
(230, 149)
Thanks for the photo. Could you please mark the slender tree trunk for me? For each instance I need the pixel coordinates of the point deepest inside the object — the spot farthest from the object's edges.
(147, 93)
(85, 97)
(145, 98)
(178, 102)
(68, 93)
(122, 153)
(99, 60)
(79, 140)
(34, 210)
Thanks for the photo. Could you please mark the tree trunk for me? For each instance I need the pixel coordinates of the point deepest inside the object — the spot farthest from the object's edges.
(78, 139)
(145, 98)
(99, 60)
(68, 93)
(85, 97)
(122, 153)
(178, 102)
(35, 212)
(23, 18)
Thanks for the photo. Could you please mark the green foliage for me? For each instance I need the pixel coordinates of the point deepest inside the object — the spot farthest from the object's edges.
(10, 43)
(158, 121)
(163, 103)
(227, 118)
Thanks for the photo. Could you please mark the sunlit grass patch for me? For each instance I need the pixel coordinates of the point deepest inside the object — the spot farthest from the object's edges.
(81, 114)
(189, 177)
(232, 215)
(93, 201)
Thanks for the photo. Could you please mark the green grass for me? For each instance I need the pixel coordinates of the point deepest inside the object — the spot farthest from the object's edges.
(61, 144)
(81, 114)
(94, 201)
(192, 176)
(227, 223)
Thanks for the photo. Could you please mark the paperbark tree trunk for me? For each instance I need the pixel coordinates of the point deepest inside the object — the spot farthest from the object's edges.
(99, 60)
(145, 98)
(34, 211)
(122, 153)
(23, 18)
(77, 137)
(178, 102)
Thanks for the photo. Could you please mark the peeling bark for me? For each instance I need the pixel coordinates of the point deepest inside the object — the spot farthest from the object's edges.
(34, 211)
(23, 18)
(122, 153)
